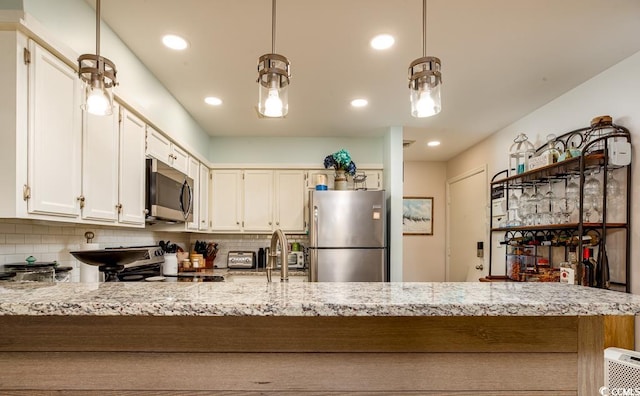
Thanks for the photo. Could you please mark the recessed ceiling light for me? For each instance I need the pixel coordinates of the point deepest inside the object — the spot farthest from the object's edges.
(359, 102)
(433, 143)
(213, 101)
(174, 42)
(382, 41)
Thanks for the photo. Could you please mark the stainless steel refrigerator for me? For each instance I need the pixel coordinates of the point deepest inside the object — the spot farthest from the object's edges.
(348, 236)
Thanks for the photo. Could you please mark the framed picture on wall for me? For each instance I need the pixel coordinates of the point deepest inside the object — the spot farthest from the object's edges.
(417, 216)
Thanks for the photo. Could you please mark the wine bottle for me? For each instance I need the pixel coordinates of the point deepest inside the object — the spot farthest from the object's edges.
(587, 268)
(602, 268)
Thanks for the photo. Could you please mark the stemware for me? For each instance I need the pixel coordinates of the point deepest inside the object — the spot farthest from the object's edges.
(546, 204)
(572, 191)
(592, 198)
(613, 186)
(592, 186)
(536, 207)
(514, 205)
(563, 208)
(592, 206)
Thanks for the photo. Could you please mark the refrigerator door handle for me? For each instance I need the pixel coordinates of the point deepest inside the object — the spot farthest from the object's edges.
(313, 268)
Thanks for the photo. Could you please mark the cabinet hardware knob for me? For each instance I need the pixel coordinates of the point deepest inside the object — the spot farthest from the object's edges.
(480, 267)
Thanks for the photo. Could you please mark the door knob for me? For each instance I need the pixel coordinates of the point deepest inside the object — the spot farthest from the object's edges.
(480, 267)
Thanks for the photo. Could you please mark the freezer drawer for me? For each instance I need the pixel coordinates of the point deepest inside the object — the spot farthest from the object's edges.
(348, 265)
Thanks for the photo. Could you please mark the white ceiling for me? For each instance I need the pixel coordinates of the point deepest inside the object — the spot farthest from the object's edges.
(501, 59)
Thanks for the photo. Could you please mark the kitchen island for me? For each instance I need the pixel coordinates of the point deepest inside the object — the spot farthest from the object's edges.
(313, 338)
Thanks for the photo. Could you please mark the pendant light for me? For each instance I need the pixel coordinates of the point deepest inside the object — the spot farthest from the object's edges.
(425, 78)
(99, 75)
(274, 72)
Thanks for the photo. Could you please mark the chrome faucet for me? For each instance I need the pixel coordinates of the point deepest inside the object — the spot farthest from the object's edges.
(278, 235)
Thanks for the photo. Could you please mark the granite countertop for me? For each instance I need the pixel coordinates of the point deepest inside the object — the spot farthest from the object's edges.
(312, 299)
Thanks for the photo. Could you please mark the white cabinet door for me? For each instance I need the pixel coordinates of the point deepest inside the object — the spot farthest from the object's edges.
(204, 198)
(54, 131)
(132, 170)
(226, 200)
(179, 159)
(158, 146)
(100, 149)
(289, 200)
(258, 200)
(194, 173)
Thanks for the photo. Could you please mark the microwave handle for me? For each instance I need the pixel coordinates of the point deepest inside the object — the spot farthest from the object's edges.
(187, 187)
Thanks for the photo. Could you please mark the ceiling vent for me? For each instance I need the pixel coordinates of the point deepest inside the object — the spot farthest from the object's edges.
(407, 143)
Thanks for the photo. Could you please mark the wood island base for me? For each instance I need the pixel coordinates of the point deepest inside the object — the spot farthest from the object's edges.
(188, 355)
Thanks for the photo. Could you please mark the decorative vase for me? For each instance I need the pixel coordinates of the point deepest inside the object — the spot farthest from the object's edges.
(340, 182)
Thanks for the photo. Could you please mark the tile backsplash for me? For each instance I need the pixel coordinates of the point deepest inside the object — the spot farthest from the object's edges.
(52, 241)
(246, 242)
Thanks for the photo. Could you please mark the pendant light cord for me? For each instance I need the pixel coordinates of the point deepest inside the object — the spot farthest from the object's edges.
(424, 28)
(273, 26)
(98, 28)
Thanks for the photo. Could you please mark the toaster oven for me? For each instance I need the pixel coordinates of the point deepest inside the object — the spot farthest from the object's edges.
(294, 260)
(241, 260)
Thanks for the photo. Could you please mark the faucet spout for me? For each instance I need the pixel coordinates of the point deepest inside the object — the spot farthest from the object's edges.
(278, 236)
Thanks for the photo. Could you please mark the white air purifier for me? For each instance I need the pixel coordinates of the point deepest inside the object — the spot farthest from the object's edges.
(621, 371)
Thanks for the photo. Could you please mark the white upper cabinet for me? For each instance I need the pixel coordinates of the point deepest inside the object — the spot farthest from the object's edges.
(131, 178)
(204, 197)
(180, 159)
(100, 152)
(289, 200)
(258, 200)
(54, 131)
(226, 200)
(160, 147)
(113, 177)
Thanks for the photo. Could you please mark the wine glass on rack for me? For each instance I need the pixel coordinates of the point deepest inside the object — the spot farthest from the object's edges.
(536, 206)
(613, 186)
(546, 204)
(592, 198)
(614, 196)
(592, 185)
(523, 207)
(514, 205)
(563, 208)
(592, 207)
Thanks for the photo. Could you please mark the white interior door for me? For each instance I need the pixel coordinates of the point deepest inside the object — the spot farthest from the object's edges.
(466, 207)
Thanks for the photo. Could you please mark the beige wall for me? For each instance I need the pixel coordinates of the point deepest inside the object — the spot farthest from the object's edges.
(616, 92)
(424, 255)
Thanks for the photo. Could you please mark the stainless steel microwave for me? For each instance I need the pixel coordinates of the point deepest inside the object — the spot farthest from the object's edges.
(169, 194)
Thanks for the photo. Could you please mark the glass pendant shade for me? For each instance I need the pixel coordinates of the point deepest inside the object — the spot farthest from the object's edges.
(274, 72)
(425, 80)
(99, 75)
(99, 101)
